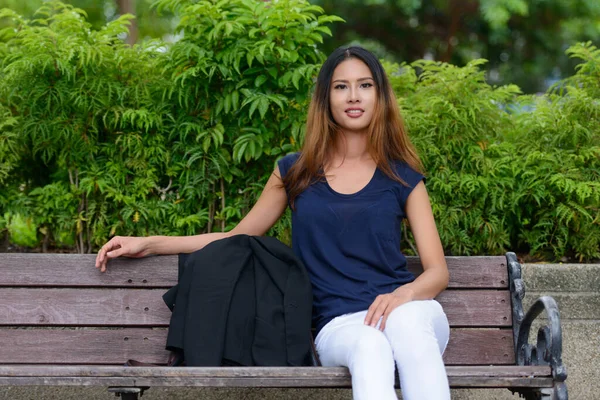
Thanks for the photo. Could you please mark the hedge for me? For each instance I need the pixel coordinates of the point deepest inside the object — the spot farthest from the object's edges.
(98, 138)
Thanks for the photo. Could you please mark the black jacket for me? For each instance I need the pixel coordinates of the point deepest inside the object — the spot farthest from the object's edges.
(244, 300)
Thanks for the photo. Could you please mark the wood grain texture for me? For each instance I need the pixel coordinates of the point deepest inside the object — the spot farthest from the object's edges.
(86, 307)
(142, 307)
(477, 307)
(78, 270)
(18, 269)
(115, 346)
(471, 272)
(528, 371)
(455, 382)
(253, 376)
(480, 347)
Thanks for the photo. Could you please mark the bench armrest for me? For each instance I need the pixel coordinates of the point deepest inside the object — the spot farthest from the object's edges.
(548, 349)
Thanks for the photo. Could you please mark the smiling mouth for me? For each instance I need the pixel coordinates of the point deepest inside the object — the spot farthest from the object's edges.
(354, 113)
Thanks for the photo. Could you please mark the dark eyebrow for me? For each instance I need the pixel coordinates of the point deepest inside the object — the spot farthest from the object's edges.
(345, 81)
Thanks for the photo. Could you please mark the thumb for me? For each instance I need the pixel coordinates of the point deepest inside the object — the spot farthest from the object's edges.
(116, 253)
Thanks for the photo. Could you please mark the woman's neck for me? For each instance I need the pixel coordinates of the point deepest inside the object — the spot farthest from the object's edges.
(351, 147)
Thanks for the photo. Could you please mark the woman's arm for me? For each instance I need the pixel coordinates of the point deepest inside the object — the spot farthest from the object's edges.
(434, 278)
(257, 222)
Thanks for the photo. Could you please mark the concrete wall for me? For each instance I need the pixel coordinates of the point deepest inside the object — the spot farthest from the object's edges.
(576, 288)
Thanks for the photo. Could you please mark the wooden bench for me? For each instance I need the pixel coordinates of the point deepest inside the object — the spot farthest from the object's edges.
(65, 323)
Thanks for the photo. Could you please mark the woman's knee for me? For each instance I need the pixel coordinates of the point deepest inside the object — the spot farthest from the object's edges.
(370, 343)
(417, 322)
(372, 356)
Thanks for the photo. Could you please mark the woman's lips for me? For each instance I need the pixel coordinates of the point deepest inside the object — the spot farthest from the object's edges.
(354, 113)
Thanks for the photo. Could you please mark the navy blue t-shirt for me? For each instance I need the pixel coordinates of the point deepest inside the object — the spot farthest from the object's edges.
(350, 243)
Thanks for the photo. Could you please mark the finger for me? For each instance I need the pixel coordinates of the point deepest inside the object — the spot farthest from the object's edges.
(116, 253)
(371, 310)
(386, 314)
(100, 256)
(105, 260)
(112, 244)
(383, 305)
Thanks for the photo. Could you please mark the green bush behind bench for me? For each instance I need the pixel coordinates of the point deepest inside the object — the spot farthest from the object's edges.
(98, 138)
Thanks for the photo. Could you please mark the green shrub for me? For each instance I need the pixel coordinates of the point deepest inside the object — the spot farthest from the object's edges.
(455, 121)
(147, 140)
(98, 138)
(22, 230)
(501, 177)
(559, 151)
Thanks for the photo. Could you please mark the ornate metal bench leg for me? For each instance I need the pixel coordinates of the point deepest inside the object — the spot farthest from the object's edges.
(560, 391)
(128, 393)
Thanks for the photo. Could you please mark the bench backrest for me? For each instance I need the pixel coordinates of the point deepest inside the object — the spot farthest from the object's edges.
(59, 309)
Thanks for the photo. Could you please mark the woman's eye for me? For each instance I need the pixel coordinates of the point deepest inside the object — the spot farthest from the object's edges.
(340, 86)
(367, 85)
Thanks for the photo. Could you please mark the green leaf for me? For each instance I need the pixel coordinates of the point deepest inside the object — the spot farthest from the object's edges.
(273, 72)
(296, 76)
(253, 106)
(260, 80)
(235, 98)
(263, 106)
(227, 103)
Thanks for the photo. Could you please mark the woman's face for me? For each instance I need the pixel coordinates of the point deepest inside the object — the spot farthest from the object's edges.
(352, 97)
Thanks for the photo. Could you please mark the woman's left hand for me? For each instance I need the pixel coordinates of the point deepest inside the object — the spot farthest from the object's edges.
(384, 304)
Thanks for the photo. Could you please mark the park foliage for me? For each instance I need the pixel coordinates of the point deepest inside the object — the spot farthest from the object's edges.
(98, 138)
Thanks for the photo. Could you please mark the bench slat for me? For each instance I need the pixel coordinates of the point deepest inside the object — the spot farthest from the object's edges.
(527, 371)
(99, 307)
(115, 346)
(481, 272)
(455, 382)
(161, 272)
(123, 307)
(254, 376)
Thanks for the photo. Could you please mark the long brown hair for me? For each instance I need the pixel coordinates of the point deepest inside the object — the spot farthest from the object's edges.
(388, 140)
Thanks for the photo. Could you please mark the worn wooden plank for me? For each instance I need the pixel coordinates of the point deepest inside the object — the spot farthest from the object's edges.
(100, 307)
(140, 307)
(455, 382)
(480, 347)
(478, 382)
(115, 346)
(528, 371)
(477, 307)
(486, 376)
(18, 269)
(82, 346)
(471, 272)
(514, 376)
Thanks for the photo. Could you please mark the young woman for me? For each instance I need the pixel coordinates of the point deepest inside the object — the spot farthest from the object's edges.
(356, 178)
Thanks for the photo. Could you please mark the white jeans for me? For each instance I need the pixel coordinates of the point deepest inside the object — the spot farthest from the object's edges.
(415, 336)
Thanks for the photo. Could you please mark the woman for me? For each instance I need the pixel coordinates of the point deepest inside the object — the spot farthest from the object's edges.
(356, 178)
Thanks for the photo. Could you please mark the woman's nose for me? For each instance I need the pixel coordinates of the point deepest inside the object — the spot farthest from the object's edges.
(353, 96)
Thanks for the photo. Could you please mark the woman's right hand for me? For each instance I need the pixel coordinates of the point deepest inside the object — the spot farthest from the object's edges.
(127, 246)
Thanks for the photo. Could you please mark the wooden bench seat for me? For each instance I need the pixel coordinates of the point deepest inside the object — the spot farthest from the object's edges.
(62, 322)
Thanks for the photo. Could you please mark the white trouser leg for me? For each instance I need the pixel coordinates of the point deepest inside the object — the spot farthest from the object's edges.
(415, 336)
(418, 332)
(347, 342)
